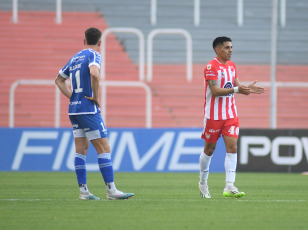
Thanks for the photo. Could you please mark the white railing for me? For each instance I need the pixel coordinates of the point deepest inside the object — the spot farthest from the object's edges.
(141, 48)
(15, 11)
(240, 12)
(281, 84)
(148, 108)
(273, 63)
(33, 82)
(273, 102)
(58, 11)
(103, 84)
(150, 38)
(283, 13)
(153, 12)
(196, 12)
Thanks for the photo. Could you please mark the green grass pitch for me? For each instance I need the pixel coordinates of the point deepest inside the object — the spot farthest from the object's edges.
(38, 200)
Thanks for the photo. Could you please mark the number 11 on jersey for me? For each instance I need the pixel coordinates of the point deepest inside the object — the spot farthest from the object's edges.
(77, 77)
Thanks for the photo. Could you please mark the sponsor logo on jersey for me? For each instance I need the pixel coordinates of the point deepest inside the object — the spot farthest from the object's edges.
(78, 58)
(214, 131)
(75, 102)
(210, 75)
(228, 85)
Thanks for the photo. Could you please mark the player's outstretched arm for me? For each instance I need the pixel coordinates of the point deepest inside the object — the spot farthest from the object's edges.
(256, 89)
(241, 88)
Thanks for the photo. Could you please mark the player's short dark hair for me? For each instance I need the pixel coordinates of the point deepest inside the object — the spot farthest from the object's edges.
(220, 41)
(92, 36)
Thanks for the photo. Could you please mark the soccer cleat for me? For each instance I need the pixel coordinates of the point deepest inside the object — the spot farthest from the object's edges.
(118, 195)
(88, 196)
(232, 191)
(204, 191)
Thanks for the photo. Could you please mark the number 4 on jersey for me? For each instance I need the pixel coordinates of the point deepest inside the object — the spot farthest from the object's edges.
(234, 130)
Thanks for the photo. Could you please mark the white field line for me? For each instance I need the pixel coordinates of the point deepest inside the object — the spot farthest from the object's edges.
(162, 200)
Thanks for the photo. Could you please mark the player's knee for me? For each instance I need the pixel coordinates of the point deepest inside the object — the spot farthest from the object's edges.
(82, 150)
(232, 149)
(209, 150)
(106, 149)
(103, 149)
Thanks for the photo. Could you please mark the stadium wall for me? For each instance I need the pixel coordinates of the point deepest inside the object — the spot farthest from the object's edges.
(153, 150)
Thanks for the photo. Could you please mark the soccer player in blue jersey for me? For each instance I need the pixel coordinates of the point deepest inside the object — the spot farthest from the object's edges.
(84, 113)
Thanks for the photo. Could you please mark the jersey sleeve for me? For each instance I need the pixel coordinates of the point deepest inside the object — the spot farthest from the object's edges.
(210, 72)
(95, 59)
(64, 72)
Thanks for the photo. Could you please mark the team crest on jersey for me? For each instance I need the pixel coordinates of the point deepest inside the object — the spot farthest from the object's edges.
(209, 67)
(207, 135)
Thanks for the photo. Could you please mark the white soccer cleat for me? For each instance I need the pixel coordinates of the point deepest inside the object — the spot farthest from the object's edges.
(118, 195)
(204, 191)
(232, 191)
(87, 196)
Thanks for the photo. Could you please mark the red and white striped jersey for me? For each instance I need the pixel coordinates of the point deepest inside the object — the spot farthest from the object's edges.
(220, 107)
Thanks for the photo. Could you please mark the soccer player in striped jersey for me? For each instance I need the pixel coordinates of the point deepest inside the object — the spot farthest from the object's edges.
(84, 113)
(220, 114)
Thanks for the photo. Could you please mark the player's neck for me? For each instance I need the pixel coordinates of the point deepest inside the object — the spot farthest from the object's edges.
(222, 61)
(93, 47)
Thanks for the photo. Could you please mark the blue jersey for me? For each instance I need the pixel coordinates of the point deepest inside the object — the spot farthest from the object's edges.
(78, 70)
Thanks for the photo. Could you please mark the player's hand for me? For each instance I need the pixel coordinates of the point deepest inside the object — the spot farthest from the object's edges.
(243, 90)
(94, 100)
(256, 89)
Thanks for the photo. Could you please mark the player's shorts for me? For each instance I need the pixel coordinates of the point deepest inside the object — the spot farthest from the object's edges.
(213, 129)
(91, 126)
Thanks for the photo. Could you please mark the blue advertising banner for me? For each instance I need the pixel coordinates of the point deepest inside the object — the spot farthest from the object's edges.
(132, 150)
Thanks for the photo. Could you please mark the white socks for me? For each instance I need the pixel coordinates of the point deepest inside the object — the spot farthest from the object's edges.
(230, 166)
(83, 188)
(110, 186)
(204, 162)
